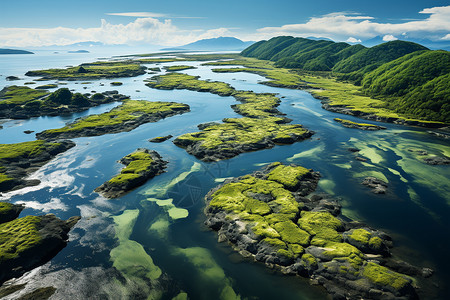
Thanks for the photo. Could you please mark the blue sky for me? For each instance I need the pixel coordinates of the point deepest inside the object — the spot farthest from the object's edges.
(175, 22)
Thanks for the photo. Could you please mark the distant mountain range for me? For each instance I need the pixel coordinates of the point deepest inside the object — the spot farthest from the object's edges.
(14, 51)
(215, 44)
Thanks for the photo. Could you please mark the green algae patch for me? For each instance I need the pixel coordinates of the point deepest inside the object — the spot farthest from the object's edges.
(94, 70)
(127, 116)
(386, 278)
(363, 126)
(322, 225)
(238, 135)
(209, 272)
(174, 212)
(288, 176)
(129, 257)
(19, 95)
(183, 81)
(18, 236)
(178, 68)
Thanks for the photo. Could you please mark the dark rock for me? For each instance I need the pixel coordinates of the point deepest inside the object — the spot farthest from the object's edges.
(12, 78)
(351, 149)
(28, 131)
(160, 139)
(378, 186)
(9, 211)
(437, 160)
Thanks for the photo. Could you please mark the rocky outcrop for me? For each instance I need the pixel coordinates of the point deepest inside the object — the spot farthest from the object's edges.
(437, 160)
(9, 211)
(31, 241)
(378, 186)
(160, 139)
(141, 165)
(27, 158)
(361, 126)
(271, 217)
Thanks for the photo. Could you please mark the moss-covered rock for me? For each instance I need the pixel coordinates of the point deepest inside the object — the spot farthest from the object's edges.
(263, 216)
(236, 136)
(9, 211)
(362, 126)
(140, 166)
(126, 117)
(18, 160)
(31, 241)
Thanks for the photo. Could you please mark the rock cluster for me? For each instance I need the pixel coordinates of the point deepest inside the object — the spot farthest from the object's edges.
(270, 217)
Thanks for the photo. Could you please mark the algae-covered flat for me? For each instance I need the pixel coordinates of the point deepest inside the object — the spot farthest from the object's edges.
(31, 241)
(239, 135)
(140, 166)
(95, 70)
(271, 217)
(18, 160)
(362, 126)
(178, 68)
(126, 117)
(21, 102)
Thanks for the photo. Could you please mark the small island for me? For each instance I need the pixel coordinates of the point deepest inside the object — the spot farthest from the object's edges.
(19, 160)
(126, 117)
(31, 241)
(14, 51)
(270, 217)
(140, 166)
(238, 135)
(362, 126)
(178, 68)
(21, 102)
(94, 70)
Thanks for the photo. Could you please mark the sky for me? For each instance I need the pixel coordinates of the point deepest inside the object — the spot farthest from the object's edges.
(31, 23)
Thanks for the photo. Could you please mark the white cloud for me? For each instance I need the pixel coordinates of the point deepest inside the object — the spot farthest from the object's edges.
(446, 38)
(341, 25)
(139, 14)
(141, 31)
(353, 40)
(389, 37)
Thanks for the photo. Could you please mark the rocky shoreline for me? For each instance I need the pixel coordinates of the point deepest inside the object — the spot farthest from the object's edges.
(31, 241)
(18, 165)
(342, 109)
(128, 125)
(361, 126)
(271, 217)
(149, 164)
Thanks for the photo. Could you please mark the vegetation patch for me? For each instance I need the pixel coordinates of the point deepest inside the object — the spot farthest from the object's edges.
(239, 135)
(23, 102)
(362, 126)
(126, 117)
(94, 70)
(140, 166)
(178, 68)
(17, 160)
(273, 221)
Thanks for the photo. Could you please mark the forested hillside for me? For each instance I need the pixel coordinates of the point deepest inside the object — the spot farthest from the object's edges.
(411, 78)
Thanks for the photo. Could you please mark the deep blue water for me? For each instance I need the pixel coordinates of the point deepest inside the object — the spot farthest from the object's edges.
(415, 212)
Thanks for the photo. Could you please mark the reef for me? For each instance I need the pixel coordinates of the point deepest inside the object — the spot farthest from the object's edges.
(126, 117)
(272, 217)
(140, 166)
(19, 160)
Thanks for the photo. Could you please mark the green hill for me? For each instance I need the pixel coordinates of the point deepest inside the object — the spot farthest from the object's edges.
(408, 77)
(371, 58)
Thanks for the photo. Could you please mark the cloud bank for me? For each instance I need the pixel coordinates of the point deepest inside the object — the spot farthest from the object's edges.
(341, 26)
(141, 31)
(150, 29)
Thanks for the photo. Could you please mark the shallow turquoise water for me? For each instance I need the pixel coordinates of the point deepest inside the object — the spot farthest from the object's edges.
(415, 211)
